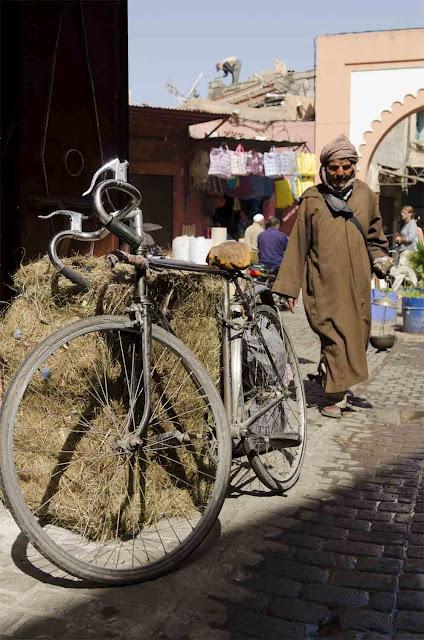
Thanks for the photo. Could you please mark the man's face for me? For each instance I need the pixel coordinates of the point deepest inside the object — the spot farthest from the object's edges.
(339, 172)
(406, 215)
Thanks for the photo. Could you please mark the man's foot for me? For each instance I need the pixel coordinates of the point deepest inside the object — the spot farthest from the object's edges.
(331, 411)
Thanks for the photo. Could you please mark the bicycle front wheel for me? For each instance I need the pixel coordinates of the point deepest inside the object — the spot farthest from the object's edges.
(92, 507)
(270, 367)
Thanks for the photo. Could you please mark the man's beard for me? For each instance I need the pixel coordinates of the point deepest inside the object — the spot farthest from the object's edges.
(336, 187)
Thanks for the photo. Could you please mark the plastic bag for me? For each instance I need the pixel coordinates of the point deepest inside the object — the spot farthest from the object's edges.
(220, 162)
(238, 161)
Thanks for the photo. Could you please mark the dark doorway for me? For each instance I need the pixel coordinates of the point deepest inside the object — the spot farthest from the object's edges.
(157, 204)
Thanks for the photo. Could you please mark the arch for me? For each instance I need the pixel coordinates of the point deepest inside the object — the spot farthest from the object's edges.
(380, 128)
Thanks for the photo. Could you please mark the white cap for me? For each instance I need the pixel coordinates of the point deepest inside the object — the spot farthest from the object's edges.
(258, 217)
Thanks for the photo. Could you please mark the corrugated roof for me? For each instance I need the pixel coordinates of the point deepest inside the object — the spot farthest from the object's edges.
(178, 115)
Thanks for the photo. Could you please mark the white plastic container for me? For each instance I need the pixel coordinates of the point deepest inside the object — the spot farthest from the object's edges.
(218, 235)
(181, 248)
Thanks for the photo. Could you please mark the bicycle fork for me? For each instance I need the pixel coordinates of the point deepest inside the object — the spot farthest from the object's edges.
(142, 318)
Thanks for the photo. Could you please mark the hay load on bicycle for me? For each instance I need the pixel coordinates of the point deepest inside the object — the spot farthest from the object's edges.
(117, 429)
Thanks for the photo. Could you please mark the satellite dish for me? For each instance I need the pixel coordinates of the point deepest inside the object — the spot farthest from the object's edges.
(181, 97)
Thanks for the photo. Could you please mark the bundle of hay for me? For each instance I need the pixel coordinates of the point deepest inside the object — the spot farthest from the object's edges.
(44, 302)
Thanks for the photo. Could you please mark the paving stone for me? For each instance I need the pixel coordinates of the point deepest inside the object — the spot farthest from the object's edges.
(351, 547)
(403, 517)
(256, 626)
(383, 601)
(374, 515)
(394, 507)
(414, 565)
(326, 531)
(415, 552)
(380, 565)
(417, 527)
(411, 600)
(382, 537)
(390, 527)
(325, 559)
(336, 596)
(295, 570)
(363, 580)
(419, 517)
(393, 551)
(345, 512)
(410, 621)
(417, 539)
(353, 523)
(317, 516)
(277, 586)
(366, 619)
(412, 581)
(302, 540)
(298, 611)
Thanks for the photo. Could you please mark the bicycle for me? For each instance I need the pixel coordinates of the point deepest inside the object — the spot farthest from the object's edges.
(129, 419)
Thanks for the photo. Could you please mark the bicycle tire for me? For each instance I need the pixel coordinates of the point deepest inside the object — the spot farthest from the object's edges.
(207, 474)
(277, 468)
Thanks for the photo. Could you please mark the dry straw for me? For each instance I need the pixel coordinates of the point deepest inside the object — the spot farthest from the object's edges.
(45, 301)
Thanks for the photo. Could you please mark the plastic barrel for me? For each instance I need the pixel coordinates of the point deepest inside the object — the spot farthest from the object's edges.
(381, 314)
(413, 315)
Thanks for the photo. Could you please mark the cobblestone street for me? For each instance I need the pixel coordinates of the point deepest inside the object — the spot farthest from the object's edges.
(340, 556)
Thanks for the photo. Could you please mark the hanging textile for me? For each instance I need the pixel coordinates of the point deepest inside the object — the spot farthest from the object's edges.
(301, 184)
(306, 164)
(238, 161)
(272, 163)
(220, 162)
(288, 163)
(255, 163)
(199, 168)
(283, 194)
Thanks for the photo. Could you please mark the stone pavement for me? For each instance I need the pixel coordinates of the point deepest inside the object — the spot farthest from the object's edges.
(340, 556)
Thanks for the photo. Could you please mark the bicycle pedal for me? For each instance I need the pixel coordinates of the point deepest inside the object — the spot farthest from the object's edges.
(283, 440)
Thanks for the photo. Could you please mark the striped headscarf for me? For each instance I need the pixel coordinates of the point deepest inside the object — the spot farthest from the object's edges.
(338, 149)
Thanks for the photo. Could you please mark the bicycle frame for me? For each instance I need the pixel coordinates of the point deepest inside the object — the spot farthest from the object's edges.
(231, 341)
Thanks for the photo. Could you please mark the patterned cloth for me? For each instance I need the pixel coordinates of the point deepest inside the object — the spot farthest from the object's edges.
(338, 149)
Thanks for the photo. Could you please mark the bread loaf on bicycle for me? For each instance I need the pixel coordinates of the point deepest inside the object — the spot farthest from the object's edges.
(229, 255)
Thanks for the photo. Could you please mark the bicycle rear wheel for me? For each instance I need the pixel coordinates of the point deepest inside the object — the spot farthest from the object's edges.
(92, 508)
(267, 354)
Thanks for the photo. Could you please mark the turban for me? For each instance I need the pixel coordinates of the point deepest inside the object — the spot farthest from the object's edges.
(339, 149)
(258, 217)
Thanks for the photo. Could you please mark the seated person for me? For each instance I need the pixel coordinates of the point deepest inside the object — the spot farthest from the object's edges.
(271, 244)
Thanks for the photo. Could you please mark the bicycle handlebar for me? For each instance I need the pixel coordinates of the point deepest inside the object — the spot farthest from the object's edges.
(112, 221)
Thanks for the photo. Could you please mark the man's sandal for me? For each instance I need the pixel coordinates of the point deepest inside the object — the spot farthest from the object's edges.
(331, 411)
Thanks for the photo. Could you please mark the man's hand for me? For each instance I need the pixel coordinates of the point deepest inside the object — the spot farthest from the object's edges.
(291, 302)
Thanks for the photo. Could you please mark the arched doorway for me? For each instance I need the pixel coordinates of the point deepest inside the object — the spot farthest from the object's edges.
(392, 159)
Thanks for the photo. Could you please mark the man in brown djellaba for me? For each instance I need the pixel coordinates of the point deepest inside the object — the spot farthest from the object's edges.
(336, 242)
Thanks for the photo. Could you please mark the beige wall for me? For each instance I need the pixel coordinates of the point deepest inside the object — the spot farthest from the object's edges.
(337, 56)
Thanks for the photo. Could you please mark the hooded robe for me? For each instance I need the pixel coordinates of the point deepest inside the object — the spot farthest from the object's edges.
(328, 259)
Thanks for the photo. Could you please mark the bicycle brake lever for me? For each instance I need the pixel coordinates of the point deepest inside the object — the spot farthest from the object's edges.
(75, 217)
(118, 168)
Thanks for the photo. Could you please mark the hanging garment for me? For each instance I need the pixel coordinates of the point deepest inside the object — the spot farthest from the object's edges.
(283, 194)
(199, 168)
